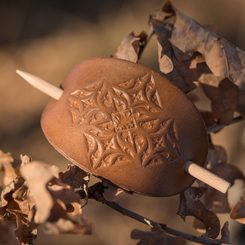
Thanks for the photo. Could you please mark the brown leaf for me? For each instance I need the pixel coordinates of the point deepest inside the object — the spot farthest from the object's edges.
(173, 63)
(66, 216)
(75, 177)
(199, 226)
(238, 212)
(190, 205)
(57, 204)
(16, 205)
(67, 226)
(208, 118)
(6, 165)
(37, 176)
(7, 235)
(225, 234)
(216, 155)
(8, 190)
(189, 53)
(130, 47)
(156, 237)
(222, 58)
(228, 172)
(224, 100)
(217, 201)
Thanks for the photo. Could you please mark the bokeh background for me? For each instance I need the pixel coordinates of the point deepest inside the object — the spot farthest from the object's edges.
(48, 38)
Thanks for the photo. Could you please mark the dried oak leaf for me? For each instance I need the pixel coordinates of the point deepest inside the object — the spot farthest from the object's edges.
(156, 237)
(181, 68)
(228, 172)
(74, 177)
(6, 165)
(77, 179)
(199, 226)
(66, 214)
(190, 205)
(223, 58)
(37, 176)
(238, 212)
(130, 47)
(216, 154)
(223, 100)
(208, 118)
(16, 207)
(173, 63)
(58, 207)
(189, 52)
(7, 234)
(225, 234)
(217, 201)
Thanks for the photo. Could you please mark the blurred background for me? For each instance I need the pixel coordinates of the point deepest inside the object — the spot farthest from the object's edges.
(48, 38)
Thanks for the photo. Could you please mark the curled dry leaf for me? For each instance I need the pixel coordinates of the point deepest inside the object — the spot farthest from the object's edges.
(238, 212)
(190, 205)
(189, 53)
(37, 193)
(223, 100)
(6, 165)
(208, 118)
(217, 201)
(75, 177)
(7, 235)
(155, 237)
(57, 204)
(37, 176)
(173, 63)
(216, 155)
(16, 207)
(223, 59)
(67, 226)
(213, 200)
(130, 47)
(66, 213)
(228, 172)
(225, 234)
(181, 68)
(199, 226)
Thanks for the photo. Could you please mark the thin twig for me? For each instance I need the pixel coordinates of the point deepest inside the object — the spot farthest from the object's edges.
(96, 192)
(217, 127)
(151, 223)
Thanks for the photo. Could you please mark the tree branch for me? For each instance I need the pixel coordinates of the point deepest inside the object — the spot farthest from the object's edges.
(96, 192)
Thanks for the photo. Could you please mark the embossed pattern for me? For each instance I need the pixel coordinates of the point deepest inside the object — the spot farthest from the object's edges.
(124, 123)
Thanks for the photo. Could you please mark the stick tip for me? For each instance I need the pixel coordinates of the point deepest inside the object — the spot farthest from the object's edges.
(41, 84)
(21, 73)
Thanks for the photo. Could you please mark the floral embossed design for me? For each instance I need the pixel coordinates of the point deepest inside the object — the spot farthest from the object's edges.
(123, 123)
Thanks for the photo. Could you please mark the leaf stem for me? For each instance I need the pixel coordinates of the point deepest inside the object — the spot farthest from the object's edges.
(216, 127)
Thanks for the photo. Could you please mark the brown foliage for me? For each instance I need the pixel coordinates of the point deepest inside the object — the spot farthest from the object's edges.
(189, 55)
(35, 193)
